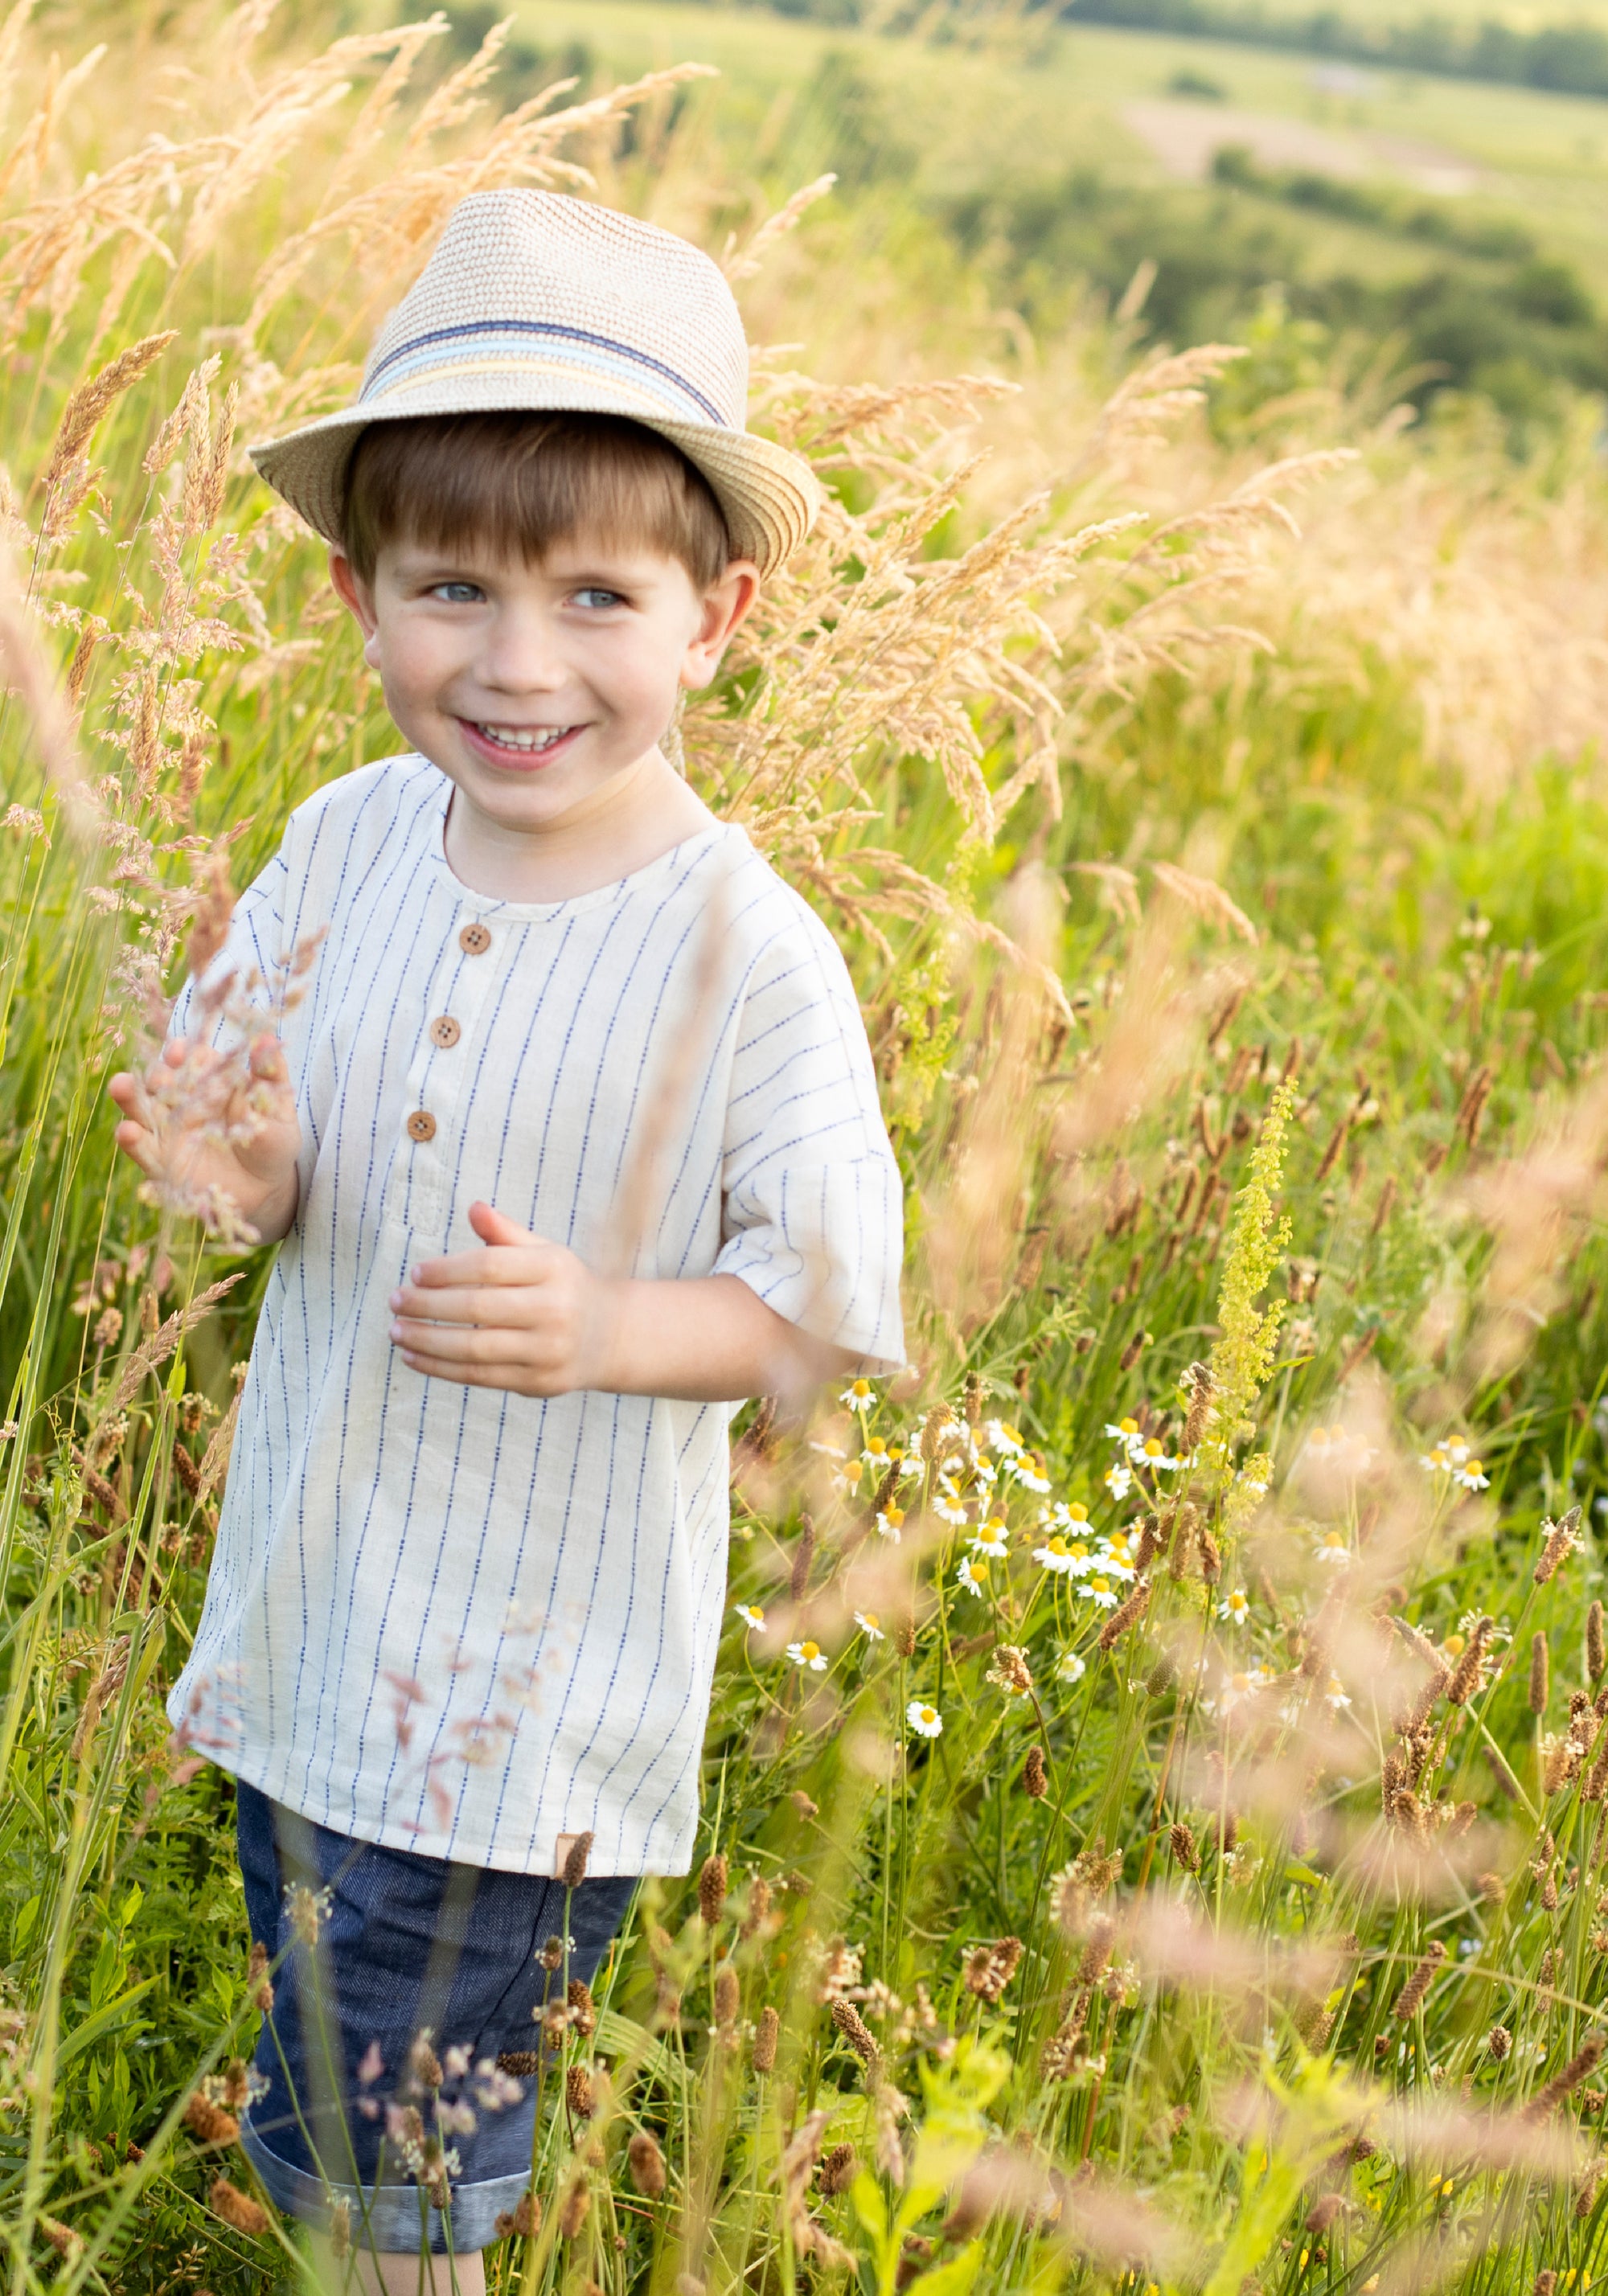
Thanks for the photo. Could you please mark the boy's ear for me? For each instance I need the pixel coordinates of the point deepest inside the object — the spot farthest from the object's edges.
(354, 594)
(726, 608)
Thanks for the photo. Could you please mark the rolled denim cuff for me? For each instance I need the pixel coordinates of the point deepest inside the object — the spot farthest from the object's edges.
(387, 2217)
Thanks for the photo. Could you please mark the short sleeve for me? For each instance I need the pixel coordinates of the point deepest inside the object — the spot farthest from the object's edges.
(814, 1204)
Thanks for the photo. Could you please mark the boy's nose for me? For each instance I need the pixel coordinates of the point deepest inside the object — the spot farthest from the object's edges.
(521, 655)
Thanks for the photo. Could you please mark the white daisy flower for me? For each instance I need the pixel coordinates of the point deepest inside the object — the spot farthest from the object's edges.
(1056, 1555)
(910, 1467)
(1471, 1475)
(889, 1522)
(1125, 1431)
(869, 1626)
(1235, 1607)
(1028, 1468)
(950, 1510)
(972, 1575)
(1332, 1547)
(848, 1478)
(1002, 1437)
(1336, 1694)
(750, 1614)
(857, 1396)
(1236, 1689)
(1099, 1589)
(808, 1654)
(991, 1537)
(926, 1721)
(1070, 1666)
(985, 1471)
(1118, 1480)
(1115, 1559)
(1153, 1453)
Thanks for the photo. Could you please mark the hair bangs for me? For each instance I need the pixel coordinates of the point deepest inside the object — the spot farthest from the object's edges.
(519, 485)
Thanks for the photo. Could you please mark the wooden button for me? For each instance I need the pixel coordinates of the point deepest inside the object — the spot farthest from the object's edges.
(474, 939)
(445, 1031)
(420, 1124)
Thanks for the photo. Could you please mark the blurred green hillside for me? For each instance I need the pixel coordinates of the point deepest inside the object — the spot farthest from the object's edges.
(1446, 236)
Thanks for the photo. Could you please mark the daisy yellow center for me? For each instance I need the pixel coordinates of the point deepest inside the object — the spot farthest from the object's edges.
(1100, 1586)
(810, 1650)
(876, 1447)
(862, 1387)
(1153, 1449)
(1077, 1549)
(1333, 1538)
(1129, 1426)
(929, 1713)
(1057, 1544)
(1080, 1513)
(895, 1515)
(869, 1619)
(979, 1570)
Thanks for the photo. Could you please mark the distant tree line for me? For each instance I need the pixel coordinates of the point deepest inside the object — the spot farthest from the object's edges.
(1568, 59)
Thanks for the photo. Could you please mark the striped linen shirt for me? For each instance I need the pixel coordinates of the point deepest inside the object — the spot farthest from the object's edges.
(450, 1619)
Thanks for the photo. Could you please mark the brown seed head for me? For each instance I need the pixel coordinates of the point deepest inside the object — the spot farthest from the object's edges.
(1563, 2084)
(521, 2223)
(552, 1953)
(1198, 1379)
(728, 1995)
(575, 1861)
(711, 1888)
(1183, 1850)
(989, 1968)
(209, 2123)
(1545, 2283)
(583, 2009)
(577, 2092)
(259, 1985)
(1562, 1539)
(759, 1906)
(803, 1558)
(646, 2164)
(238, 2209)
(1540, 1680)
(934, 1428)
(1035, 1776)
(904, 1635)
(839, 2169)
(424, 2063)
(1410, 1999)
(852, 2026)
(1135, 1348)
(1125, 1615)
(1324, 2211)
(765, 2041)
(1470, 1669)
(1498, 2043)
(576, 2206)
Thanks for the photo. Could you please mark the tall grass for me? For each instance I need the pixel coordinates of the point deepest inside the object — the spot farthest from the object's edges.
(1152, 1803)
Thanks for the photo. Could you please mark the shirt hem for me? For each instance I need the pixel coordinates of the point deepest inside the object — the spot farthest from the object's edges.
(666, 1865)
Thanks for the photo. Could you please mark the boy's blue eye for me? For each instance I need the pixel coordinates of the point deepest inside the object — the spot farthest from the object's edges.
(458, 594)
(594, 597)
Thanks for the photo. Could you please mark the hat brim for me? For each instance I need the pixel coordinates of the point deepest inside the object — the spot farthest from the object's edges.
(769, 496)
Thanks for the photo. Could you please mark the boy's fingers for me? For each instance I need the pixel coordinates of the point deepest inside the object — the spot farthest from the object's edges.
(458, 1344)
(469, 1304)
(503, 1265)
(493, 1226)
(134, 1141)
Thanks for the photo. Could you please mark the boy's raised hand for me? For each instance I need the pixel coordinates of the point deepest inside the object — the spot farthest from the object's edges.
(523, 1314)
(530, 1316)
(206, 1124)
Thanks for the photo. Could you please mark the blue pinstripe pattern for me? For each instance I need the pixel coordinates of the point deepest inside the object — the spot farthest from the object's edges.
(450, 1619)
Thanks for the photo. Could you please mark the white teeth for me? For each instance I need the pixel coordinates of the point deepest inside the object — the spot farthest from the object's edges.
(524, 737)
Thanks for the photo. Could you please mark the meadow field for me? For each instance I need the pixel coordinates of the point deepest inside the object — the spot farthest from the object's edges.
(1154, 1830)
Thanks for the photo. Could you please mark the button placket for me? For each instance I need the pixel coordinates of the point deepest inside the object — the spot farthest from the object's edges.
(440, 1071)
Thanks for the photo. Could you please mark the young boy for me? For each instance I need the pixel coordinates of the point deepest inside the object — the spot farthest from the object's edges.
(572, 1142)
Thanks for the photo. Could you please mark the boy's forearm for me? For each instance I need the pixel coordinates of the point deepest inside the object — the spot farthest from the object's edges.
(705, 1340)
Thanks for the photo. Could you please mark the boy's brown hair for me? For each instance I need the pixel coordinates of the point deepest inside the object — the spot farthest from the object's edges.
(518, 484)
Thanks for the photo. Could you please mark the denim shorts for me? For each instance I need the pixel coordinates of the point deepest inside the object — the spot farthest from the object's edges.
(406, 1947)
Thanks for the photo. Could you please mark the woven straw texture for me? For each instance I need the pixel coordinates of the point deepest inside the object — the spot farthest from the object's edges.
(533, 300)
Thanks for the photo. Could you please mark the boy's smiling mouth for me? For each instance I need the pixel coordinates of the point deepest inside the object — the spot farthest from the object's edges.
(519, 740)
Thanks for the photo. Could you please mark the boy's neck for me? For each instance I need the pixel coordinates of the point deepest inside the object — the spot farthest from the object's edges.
(640, 814)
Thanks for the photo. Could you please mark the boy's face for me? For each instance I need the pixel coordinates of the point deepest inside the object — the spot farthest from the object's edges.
(536, 688)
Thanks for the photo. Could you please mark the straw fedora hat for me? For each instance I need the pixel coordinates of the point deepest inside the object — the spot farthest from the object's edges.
(533, 300)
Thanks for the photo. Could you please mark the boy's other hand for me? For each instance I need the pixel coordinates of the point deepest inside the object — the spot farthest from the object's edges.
(202, 1123)
(529, 1317)
(524, 1314)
